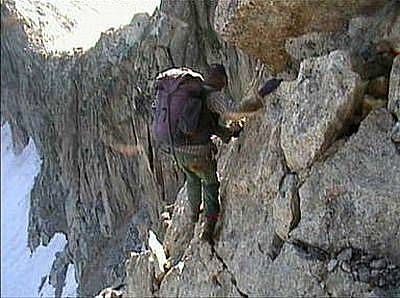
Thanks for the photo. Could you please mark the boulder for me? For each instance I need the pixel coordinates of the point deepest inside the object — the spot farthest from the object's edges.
(319, 107)
(352, 199)
(243, 23)
(394, 88)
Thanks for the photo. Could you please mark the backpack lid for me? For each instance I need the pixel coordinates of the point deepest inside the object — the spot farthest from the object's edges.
(178, 73)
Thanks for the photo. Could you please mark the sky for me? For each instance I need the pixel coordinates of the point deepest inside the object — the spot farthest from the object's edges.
(88, 17)
(21, 273)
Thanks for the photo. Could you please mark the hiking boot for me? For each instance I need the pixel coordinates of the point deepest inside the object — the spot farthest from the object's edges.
(207, 233)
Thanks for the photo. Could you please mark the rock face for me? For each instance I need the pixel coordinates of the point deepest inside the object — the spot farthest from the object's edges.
(309, 191)
(319, 105)
(244, 22)
(394, 91)
(352, 198)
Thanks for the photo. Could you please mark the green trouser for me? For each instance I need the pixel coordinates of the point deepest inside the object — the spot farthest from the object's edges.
(201, 171)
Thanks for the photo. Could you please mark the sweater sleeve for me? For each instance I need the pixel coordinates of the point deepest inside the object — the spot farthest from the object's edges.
(228, 109)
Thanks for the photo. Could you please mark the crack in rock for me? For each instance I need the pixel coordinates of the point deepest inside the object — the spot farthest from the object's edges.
(233, 279)
(309, 252)
(377, 271)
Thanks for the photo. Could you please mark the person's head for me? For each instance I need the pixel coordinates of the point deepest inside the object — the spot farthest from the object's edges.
(216, 77)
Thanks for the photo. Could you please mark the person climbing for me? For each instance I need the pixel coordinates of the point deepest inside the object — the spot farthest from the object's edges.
(190, 109)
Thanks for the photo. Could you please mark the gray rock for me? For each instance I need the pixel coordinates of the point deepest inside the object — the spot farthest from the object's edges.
(345, 254)
(212, 278)
(372, 43)
(374, 273)
(378, 264)
(243, 22)
(345, 267)
(395, 134)
(352, 198)
(332, 265)
(394, 88)
(58, 271)
(103, 186)
(319, 105)
(141, 275)
(382, 282)
(286, 208)
(363, 274)
(316, 44)
(181, 230)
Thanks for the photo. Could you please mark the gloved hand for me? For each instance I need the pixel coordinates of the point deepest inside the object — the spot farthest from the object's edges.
(269, 87)
(236, 129)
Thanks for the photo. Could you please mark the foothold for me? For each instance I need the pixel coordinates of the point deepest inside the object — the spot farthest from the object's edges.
(345, 254)
(378, 264)
(332, 265)
(346, 267)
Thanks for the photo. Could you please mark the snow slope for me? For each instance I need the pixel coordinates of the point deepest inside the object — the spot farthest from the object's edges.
(21, 274)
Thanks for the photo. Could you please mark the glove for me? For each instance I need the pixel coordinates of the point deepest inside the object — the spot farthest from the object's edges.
(236, 130)
(269, 87)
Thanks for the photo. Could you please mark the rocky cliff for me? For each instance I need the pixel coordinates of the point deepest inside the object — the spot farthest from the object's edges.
(310, 191)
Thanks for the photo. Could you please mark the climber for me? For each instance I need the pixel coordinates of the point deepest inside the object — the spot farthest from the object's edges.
(189, 110)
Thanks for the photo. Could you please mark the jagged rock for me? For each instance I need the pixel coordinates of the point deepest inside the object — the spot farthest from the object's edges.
(181, 230)
(212, 277)
(345, 255)
(247, 194)
(286, 208)
(378, 264)
(316, 44)
(58, 271)
(375, 45)
(341, 283)
(318, 107)
(303, 277)
(351, 198)
(395, 135)
(394, 88)
(140, 276)
(246, 21)
(346, 267)
(332, 265)
(102, 185)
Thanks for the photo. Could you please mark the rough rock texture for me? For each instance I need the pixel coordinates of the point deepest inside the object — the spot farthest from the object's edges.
(309, 207)
(318, 107)
(89, 114)
(287, 207)
(243, 22)
(394, 89)
(352, 198)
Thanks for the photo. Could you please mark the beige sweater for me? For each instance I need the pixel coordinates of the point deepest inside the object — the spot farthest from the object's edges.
(228, 109)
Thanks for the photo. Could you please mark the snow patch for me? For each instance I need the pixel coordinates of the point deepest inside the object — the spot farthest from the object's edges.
(157, 249)
(21, 273)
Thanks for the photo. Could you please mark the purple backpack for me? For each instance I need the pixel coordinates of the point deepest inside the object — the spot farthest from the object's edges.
(178, 108)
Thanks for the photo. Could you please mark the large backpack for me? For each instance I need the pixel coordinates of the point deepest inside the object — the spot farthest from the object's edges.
(179, 109)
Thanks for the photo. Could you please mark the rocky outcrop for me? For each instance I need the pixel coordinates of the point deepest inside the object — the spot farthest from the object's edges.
(309, 191)
(351, 198)
(394, 91)
(318, 107)
(89, 114)
(243, 23)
